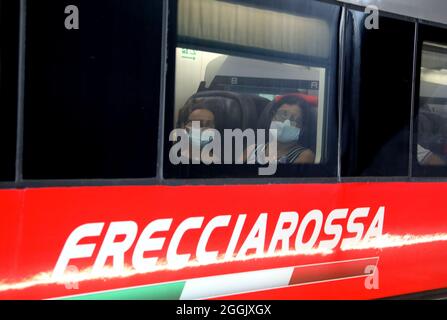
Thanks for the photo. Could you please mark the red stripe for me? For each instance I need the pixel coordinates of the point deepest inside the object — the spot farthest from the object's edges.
(331, 271)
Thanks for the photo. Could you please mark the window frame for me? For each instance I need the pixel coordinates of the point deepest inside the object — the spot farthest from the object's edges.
(324, 171)
(353, 96)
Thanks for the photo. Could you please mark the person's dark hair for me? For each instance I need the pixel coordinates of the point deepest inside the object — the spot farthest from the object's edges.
(269, 112)
(196, 104)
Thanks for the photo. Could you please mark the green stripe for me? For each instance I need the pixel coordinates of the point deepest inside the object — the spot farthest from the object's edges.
(169, 291)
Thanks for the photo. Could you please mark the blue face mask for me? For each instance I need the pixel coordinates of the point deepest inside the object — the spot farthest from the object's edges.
(285, 132)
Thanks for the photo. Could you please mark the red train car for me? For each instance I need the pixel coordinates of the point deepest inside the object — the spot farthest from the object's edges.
(103, 196)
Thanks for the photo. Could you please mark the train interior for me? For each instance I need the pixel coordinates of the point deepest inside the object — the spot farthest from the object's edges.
(214, 62)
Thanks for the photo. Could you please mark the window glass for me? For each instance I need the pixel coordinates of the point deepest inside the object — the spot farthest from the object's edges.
(9, 34)
(377, 96)
(253, 89)
(432, 120)
(92, 94)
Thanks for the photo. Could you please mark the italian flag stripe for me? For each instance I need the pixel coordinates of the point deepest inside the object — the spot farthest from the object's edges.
(168, 291)
(236, 283)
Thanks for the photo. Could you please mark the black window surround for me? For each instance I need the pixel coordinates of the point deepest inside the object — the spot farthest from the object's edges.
(377, 96)
(325, 170)
(9, 56)
(413, 175)
(92, 94)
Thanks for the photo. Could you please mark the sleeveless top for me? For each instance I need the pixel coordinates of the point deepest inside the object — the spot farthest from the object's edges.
(288, 158)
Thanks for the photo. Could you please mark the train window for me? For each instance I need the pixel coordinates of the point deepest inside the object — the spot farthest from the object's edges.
(253, 90)
(430, 147)
(9, 34)
(432, 125)
(377, 97)
(92, 93)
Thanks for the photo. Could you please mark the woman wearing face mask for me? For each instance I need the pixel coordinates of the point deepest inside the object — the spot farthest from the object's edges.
(290, 116)
(203, 114)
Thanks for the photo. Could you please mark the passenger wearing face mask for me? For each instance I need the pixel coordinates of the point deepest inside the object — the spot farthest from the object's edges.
(201, 122)
(290, 116)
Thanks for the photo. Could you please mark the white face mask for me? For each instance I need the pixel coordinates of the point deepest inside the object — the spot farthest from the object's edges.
(198, 139)
(285, 132)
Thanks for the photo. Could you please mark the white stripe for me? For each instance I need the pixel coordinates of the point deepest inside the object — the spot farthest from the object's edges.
(207, 287)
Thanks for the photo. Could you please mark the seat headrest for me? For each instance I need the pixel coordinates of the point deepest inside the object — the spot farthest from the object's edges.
(312, 100)
(231, 110)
